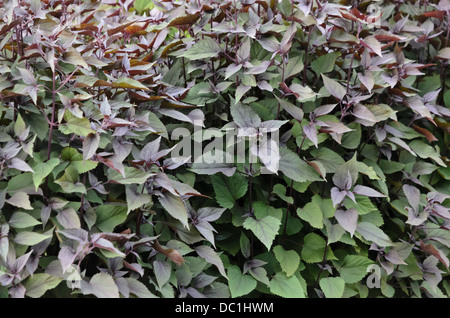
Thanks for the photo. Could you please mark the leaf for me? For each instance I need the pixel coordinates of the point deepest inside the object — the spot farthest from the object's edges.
(19, 127)
(203, 49)
(239, 284)
(21, 200)
(175, 207)
(132, 175)
(335, 89)
(21, 220)
(311, 213)
(366, 191)
(372, 43)
(426, 151)
(109, 216)
(347, 219)
(295, 168)
(162, 272)
(136, 200)
(294, 111)
(102, 285)
(30, 238)
(37, 284)
(325, 63)
(212, 257)
(42, 170)
(373, 234)
(78, 126)
(354, 268)
(289, 260)
(126, 82)
(72, 56)
(313, 248)
(444, 54)
(229, 189)
(280, 190)
(264, 229)
(332, 287)
(90, 145)
(286, 287)
(244, 116)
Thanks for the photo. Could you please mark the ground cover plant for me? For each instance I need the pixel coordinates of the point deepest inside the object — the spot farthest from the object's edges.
(349, 197)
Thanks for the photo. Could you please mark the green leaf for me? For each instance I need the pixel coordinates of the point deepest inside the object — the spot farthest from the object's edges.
(20, 200)
(30, 238)
(42, 170)
(287, 287)
(264, 229)
(311, 213)
(354, 268)
(280, 190)
(102, 285)
(175, 207)
(425, 151)
(332, 287)
(21, 220)
(132, 175)
(335, 89)
(126, 82)
(211, 257)
(110, 216)
(136, 200)
(239, 284)
(289, 260)
(229, 189)
(37, 284)
(78, 126)
(325, 63)
(295, 168)
(72, 56)
(203, 49)
(19, 126)
(314, 248)
(373, 234)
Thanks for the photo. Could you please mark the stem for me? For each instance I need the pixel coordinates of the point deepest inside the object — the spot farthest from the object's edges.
(324, 260)
(49, 145)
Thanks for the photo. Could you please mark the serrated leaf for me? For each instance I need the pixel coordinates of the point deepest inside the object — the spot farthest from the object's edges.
(42, 170)
(229, 189)
(332, 287)
(102, 285)
(239, 284)
(354, 268)
(289, 259)
(286, 287)
(264, 229)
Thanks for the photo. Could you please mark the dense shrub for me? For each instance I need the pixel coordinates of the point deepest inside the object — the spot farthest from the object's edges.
(351, 200)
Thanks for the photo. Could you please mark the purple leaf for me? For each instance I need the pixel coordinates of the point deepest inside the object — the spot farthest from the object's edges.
(366, 191)
(347, 219)
(337, 196)
(412, 195)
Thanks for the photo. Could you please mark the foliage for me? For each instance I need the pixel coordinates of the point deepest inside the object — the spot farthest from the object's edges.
(92, 203)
